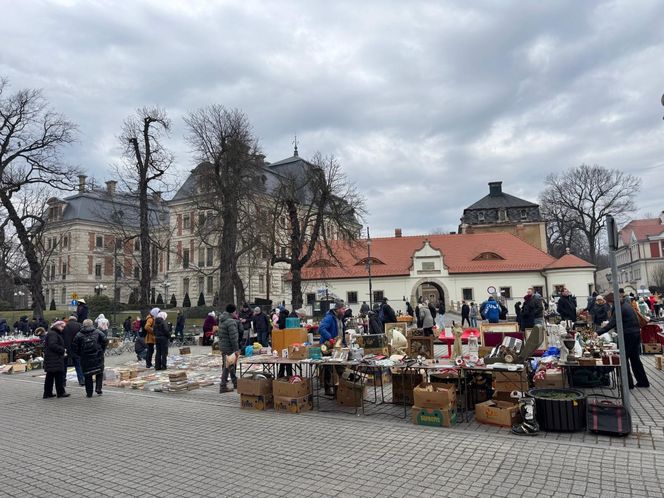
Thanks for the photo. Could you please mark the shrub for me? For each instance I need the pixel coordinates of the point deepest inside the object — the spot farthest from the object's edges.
(201, 300)
(186, 302)
(52, 306)
(174, 302)
(160, 300)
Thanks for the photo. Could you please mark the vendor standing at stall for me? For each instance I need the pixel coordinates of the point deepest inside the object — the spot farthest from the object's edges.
(329, 328)
(208, 328)
(632, 333)
(228, 344)
(54, 361)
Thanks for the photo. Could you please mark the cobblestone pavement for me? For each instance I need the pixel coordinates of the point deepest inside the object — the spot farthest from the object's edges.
(199, 443)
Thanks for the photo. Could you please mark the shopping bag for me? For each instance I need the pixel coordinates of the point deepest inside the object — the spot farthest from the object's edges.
(231, 359)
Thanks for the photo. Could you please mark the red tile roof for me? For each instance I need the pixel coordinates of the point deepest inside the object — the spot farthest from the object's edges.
(642, 229)
(459, 255)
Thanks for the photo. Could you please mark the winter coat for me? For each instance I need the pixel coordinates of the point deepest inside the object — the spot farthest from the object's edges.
(527, 315)
(566, 308)
(432, 310)
(92, 362)
(228, 334)
(69, 332)
(102, 323)
(161, 329)
(139, 345)
(491, 311)
(441, 308)
(375, 325)
(149, 330)
(246, 314)
(261, 323)
(328, 327)
(600, 313)
(22, 325)
(388, 315)
(283, 314)
(630, 321)
(473, 311)
(465, 311)
(127, 325)
(179, 323)
(425, 315)
(364, 309)
(82, 312)
(54, 352)
(209, 324)
(503, 311)
(532, 307)
(4, 328)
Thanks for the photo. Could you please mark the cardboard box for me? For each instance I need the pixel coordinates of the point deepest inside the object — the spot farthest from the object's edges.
(552, 378)
(443, 396)
(510, 381)
(294, 405)
(500, 413)
(298, 352)
(350, 394)
(254, 387)
(374, 378)
(403, 385)
(659, 362)
(19, 367)
(261, 402)
(433, 417)
(4, 358)
(283, 389)
(281, 339)
(652, 348)
(185, 350)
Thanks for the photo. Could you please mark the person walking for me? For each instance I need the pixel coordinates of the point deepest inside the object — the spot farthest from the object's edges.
(262, 326)
(89, 345)
(54, 361)
(136, 327)
(473, 315)
(427, 319)
(68, 333)
(228, 344)
(81, 310)
(127, 327)
(632, 334)
(440, 316)
(162, 335)
(149, 335)
(179, 325)
(465, 313)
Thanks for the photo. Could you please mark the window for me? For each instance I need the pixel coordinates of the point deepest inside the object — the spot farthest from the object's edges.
(467, 294)
(201, 284)
(185, 258)
(210, 257)
(210, 285)
(137, 245)
(506, 292)
(98, 270)
(428, 265)
(118, 271)
(201, 219)
(63, 298)
(185, 286)
(186, 222)
(99, 241)
(261, 284)
(351, 297)
(52, 272)
(538, 289)
(523, 214)
(311, 298)
(502, 215)
(137, 274)
(283, 252)
(377, 296)
(480, 216)
(487, 256)
(65, 241)
(201, 257)
(558, 289)
(64, 271)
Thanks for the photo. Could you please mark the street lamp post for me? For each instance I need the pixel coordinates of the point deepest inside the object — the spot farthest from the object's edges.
(369, 268)
(99, 289)
(18, 296)
(166, 284)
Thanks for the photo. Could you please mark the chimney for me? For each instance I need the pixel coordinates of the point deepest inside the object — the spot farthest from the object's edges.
(110, 186)
(81, 183)
(397, 232)
(495, 189)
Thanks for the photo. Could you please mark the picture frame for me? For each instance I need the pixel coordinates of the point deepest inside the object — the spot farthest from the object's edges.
(420, 345)
(402, 326)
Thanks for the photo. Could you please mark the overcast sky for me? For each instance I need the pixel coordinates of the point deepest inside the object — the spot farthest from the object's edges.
(423, 103)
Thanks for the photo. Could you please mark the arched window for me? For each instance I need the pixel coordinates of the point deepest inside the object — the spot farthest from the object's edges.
(365, 261)
(487, 256)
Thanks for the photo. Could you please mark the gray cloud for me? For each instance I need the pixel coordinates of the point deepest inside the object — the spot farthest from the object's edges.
(423, 102)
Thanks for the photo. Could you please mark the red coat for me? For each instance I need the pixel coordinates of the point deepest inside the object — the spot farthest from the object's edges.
(208, 325)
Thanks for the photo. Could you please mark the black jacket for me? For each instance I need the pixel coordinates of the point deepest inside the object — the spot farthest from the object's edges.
(127, 324)
(388, 313)
(283, 314)
(630, 321)
(433, 310)
(527, 313)
(567, 308)
(465, 311)
(375, 327)
(4, 328)
(82, 312)
(139, 345)
(54, 352)
(600, 313)
(69, 332)
(261, 323)
(247, 315)
(161, 329)
(92, 362)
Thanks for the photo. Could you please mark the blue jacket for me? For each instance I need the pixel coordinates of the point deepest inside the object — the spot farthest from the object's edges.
(492, 311)
(328, 327)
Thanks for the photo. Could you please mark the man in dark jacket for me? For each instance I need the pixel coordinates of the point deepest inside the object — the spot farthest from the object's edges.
(179, 325)
(491, 310)
(54, 361)
(527, 316)
(22, 325)
(127, 327)
(465, 313)
(246, 317)
(140, 348)
(566, 306)
(600, 311)
(82, 310)
(632, 333)
(262, 326)
(89, 345)
(4, 328)
(386, 313)
(71, 329)
(162, 335)
(364, 309)
(228, 344)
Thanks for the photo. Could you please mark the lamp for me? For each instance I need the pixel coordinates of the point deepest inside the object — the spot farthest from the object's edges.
(100, 288)
(369, 268)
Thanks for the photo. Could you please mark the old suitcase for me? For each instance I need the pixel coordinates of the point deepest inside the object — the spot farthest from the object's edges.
(607, 415)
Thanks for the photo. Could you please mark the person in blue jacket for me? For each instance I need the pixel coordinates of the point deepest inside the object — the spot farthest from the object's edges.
(491, 310)
(329, 328)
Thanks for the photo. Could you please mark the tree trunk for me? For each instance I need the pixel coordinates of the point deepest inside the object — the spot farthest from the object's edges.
(146, 276)
(296, 287)
(35, 282)
(227, 257)
(239, 288)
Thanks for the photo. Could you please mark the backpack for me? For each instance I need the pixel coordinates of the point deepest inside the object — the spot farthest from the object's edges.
(90, 346)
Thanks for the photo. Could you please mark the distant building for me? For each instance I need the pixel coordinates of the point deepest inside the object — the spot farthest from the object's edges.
(501, 212)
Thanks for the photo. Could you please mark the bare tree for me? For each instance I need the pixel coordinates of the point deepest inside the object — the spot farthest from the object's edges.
(229, 180)
(562, 228)
(146, 161)
(313, 204)
(657, 278)
(31, 138)
(586, 194)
